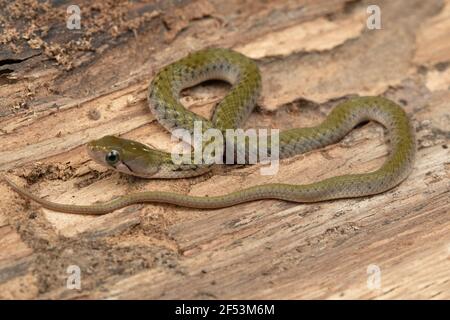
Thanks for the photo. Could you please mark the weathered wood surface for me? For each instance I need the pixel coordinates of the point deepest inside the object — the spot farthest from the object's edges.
(60, 88)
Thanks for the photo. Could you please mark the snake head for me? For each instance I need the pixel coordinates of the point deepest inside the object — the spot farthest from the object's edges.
(127, 156)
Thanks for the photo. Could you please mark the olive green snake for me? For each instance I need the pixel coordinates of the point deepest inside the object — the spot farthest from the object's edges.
(242, 73)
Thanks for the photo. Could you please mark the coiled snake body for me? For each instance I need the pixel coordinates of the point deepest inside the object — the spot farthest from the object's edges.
(135, 158)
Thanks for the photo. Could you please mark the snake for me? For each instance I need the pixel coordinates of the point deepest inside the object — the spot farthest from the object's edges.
(242, 73)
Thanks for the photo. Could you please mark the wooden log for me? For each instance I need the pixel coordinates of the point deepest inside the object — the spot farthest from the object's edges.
(60, 88)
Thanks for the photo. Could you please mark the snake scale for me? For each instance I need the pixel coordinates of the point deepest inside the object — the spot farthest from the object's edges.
(242, 73)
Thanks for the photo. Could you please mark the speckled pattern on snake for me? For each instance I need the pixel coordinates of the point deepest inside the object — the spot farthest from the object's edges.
(243, 74)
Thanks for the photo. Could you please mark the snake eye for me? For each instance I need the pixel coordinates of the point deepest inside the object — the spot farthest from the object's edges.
(112, 157)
